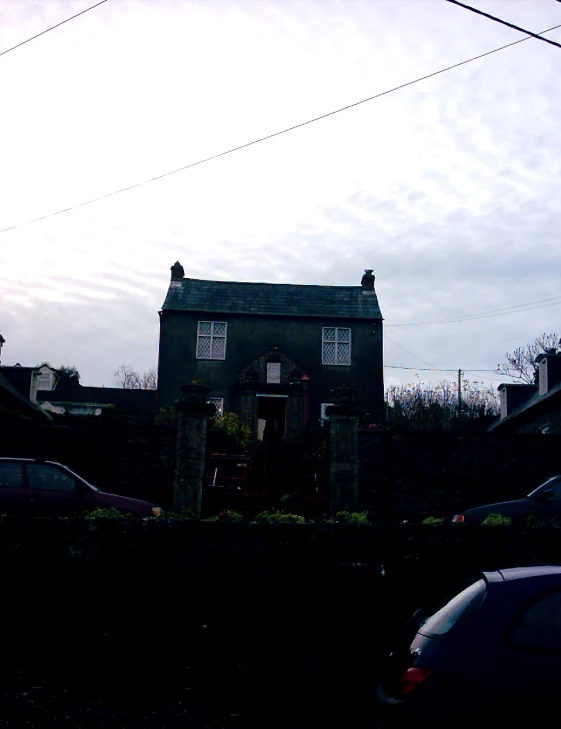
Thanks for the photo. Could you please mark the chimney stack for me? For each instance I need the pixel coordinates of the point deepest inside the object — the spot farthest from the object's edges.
(177, 274)
(367, 282)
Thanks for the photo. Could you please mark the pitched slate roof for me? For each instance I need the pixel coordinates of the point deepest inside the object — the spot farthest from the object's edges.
(302, 300)
(534, 403)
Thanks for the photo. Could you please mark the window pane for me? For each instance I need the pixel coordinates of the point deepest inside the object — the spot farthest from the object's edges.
(329, 334)
(10, 475)
(445, 618)
(218, 403)
(344, 335)
(48, 478)
(539, 627)
(205, 327)
(218, 348)
(203, 348)
(219, 329)
(344, 353)
(329, 353)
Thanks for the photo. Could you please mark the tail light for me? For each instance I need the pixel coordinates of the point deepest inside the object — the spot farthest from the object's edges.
(410, 680)
(458, 519)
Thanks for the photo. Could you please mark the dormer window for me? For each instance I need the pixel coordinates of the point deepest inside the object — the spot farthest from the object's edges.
(45, 379)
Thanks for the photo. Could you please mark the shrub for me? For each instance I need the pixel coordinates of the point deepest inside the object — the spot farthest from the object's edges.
(279, 517)
(109, 513)
(234, 426)
(496, 520)
(350, 517)
(183, 514)
(433, 520)
(227, 515)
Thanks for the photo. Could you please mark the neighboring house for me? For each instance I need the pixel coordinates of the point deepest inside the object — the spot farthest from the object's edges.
(533, 408)
(271, 352)
(55, 392)
(14, 403)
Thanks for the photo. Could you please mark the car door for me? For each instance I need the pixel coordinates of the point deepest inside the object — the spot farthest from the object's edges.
(12, 494)
(530, 662)
(548, 500)
(51, 491)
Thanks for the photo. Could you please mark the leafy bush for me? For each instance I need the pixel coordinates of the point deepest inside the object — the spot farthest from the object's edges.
(350, 517)
(233, 425)
(183, 514)
(496, 520)
(433, 520)
(292, 496)
(227, 515)
(279, 517)
(109, 513)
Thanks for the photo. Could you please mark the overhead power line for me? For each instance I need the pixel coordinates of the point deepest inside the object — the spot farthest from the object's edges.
(269, 136)
(553, 301)
(52, 28)
(504, 22)
(432, 369)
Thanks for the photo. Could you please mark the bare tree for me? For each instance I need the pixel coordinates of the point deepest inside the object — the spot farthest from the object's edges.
(421, 406)
(149, 379)
(521, 364)
(127, 378)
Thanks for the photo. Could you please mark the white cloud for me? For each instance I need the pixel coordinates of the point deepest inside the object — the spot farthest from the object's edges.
(446, 188)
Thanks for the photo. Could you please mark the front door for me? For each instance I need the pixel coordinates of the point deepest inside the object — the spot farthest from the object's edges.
(271, 418)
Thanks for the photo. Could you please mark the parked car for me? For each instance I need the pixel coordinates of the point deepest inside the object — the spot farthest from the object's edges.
(46, 488)
(491, 651)
(542, 502)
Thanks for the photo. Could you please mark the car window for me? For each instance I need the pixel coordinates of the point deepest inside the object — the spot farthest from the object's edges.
(10, 475)
(463, 604)
(538, 626)
(49, 478)
(553, 483)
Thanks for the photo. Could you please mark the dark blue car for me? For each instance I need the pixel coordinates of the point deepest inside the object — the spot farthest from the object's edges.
(490, 653)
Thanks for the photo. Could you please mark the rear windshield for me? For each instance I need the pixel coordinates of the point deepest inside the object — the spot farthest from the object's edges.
(460, 606)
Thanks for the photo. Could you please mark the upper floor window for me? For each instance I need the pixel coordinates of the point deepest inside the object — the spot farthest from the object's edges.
(211, 340)
(336, 346)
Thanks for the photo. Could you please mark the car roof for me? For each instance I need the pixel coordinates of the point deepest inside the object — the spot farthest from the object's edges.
(28, 460)
(520, 573)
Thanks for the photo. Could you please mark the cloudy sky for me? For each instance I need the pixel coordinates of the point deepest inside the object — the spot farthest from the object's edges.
(448, 188)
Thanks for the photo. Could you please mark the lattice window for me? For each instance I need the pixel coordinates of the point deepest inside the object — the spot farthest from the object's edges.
(211, 340)
(336, 346)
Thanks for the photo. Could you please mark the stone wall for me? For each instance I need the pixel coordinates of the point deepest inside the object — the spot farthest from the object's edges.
(295, 610)
(410, 475)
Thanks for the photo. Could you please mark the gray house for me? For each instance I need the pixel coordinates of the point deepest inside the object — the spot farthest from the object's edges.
(271, 352)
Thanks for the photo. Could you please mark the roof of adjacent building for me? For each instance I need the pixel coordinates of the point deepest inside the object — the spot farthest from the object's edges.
(302, 300)
(14, 402)
(534, 403)
(131, 401)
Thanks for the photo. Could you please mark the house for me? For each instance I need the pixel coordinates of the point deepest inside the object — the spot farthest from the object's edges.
(533, 408)
(14, 403)
(54, 391)
(271, 352)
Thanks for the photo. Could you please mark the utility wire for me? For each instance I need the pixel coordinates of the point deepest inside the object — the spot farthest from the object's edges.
(553, 301)
(270, 136)
(52, 28)
(504, 22)
(431, 369)
(412, 354)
